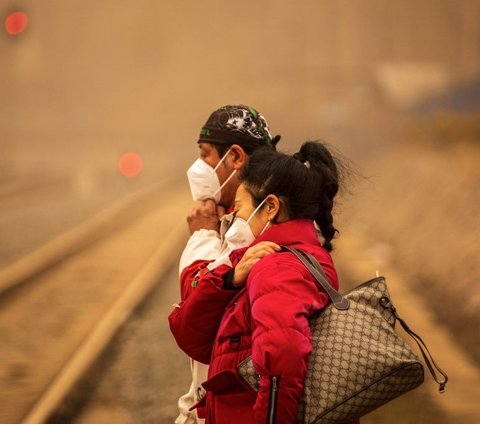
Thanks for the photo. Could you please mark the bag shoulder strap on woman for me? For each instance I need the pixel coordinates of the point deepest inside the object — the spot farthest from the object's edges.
(339, 301)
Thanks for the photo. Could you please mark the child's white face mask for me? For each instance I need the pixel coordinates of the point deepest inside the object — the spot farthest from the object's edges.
(204, 182)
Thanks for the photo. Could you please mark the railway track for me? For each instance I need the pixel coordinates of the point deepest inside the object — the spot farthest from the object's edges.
(14, 188)
(58, 314)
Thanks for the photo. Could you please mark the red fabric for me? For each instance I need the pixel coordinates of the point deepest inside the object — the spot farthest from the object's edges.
(190, 276)
(267, 319)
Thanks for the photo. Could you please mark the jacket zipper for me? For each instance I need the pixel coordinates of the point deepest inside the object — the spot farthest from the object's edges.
(272, 403)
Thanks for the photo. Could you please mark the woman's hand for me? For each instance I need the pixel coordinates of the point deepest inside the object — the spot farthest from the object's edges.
(250, 258)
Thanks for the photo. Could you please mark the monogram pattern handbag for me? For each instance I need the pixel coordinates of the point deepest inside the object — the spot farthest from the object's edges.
(358, 361)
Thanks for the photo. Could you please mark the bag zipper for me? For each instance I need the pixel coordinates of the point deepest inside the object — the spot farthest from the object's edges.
(272, 402)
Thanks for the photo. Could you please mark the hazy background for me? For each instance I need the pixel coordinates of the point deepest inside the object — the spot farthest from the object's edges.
(394, 85)
(88, 81)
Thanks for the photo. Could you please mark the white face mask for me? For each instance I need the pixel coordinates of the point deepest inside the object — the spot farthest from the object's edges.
(204, 182)
(240, 234)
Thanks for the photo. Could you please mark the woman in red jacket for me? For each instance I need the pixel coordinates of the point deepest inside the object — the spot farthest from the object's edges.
(260, 305)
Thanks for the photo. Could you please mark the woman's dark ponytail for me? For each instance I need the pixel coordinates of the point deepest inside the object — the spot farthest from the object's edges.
(319, 160)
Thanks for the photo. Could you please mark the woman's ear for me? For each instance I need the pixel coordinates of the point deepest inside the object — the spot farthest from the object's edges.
(239, 157)
(272, 206)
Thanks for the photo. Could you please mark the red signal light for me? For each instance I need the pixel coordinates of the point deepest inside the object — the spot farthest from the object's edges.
(130, 164)
(16, 23)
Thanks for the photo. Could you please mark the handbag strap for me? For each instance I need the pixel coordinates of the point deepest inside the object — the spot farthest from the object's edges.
(339, 301)
(427, 356)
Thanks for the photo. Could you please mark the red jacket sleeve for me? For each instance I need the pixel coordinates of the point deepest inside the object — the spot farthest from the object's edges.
(194, 323)
(191, 275)
(282, 297)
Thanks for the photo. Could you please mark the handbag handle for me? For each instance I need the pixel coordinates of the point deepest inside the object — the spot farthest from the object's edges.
(340, 302)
